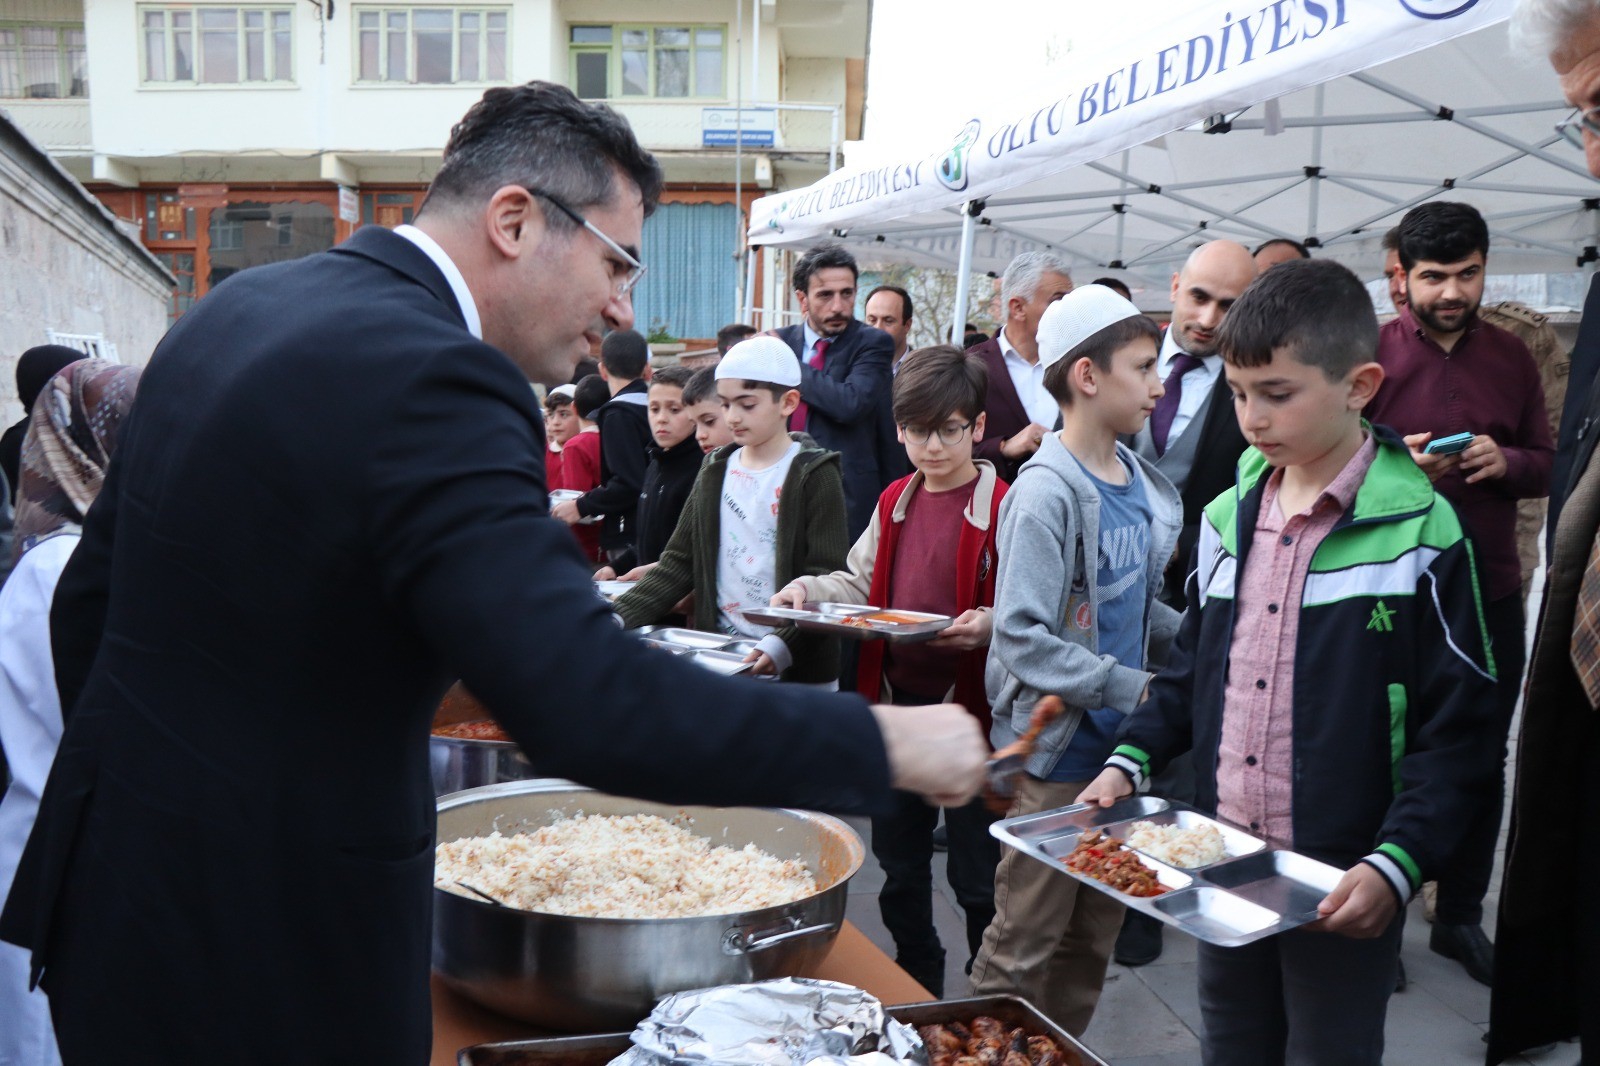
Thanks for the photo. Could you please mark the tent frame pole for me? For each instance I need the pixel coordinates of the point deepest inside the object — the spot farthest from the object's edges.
(970, 210)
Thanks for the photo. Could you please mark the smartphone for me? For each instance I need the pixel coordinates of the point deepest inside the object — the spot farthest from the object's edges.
(1451, 445)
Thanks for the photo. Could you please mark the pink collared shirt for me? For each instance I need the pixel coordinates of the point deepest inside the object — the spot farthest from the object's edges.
(1255, 757)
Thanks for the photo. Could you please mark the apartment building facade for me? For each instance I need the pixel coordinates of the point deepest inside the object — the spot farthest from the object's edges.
(232, 134)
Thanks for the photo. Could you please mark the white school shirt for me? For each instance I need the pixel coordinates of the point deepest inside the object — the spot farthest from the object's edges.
(748, 541)
(1197, 383)
(1028, 379)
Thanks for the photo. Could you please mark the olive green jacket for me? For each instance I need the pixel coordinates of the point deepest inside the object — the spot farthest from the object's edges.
(812, 539)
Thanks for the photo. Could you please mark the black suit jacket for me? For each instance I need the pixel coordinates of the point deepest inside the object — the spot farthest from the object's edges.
(329, 502)
(1214, 472)
(844, 399)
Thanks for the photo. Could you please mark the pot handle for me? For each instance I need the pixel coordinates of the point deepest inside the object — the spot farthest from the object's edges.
(748, 942)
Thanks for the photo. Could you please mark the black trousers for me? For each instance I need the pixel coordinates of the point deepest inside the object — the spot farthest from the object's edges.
(902, 841)
(1464, 880)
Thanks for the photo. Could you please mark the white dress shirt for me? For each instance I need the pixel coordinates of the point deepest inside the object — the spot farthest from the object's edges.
(447, 267)
(1029, 381)
(1197, 383)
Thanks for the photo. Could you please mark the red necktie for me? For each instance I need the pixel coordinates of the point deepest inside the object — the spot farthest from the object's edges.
(819, 353)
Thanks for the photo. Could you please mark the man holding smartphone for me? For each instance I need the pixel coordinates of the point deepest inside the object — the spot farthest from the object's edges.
(1449, 374)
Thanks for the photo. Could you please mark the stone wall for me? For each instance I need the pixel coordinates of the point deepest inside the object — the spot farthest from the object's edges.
(66, 265)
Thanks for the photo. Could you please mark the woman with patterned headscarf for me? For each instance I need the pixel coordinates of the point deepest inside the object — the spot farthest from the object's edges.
(71, 434)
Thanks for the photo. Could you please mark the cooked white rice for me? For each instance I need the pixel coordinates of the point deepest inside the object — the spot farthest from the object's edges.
(1199, 845)
(620, 866)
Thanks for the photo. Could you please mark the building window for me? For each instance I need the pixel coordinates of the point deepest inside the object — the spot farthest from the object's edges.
(42, 62)
(431, 45)
(659, 61)
(217, 45)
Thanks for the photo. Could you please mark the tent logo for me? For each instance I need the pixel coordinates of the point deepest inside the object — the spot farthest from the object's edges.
(952, 166)
(1438, 9)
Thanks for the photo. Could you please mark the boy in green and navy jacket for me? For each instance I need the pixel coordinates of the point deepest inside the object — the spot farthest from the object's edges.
(1332, 674)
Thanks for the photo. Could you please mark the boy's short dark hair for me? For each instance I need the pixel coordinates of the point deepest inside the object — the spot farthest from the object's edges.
(1098, 348)
(676, 375)
(589, 395)
(701, 386)
(555, 400)
(1445, 231)
(939, 382)
(1315, 308)
(625, 353)
(732, 334)
(822, 257)
(771, 386)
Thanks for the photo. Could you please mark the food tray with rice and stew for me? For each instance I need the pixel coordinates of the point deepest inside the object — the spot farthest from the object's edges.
(857, 621)
(1210, 879)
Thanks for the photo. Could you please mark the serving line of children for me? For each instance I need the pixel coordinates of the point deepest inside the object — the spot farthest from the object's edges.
(1330, 674)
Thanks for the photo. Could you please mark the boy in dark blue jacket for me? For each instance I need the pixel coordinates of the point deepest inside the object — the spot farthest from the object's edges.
(1331, 674)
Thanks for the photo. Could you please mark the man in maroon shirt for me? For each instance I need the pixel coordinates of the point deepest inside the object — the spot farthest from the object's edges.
(1446, 372)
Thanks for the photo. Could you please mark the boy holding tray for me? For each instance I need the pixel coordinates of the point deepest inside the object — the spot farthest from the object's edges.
(1085, 534)
(1331, 674)
(929, 547)
(762, 511)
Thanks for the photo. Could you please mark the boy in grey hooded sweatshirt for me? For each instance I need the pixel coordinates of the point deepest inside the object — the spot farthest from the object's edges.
(1085, 535)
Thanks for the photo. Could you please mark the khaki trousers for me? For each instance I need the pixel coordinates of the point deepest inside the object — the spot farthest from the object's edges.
(1051, 938)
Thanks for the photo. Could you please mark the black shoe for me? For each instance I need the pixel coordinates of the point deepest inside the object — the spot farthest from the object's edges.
(929, 975)
(941, 837)
(1468, 946)
(1139, 943)
(1399, 975)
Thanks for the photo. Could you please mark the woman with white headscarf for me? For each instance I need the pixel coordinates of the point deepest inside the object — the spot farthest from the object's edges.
(71, 434)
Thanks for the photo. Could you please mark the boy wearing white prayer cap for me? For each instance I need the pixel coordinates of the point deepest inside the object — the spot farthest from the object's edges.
(1085, 533)
(766, 509)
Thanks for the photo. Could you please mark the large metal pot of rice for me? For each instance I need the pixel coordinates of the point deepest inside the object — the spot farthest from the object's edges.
(462, 762)
(586, 974)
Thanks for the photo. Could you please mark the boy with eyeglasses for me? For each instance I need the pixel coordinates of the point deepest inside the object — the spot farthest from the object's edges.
(1085, 536)
(929, 546)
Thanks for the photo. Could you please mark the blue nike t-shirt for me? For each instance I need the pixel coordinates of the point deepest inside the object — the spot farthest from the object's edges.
(1121, 584)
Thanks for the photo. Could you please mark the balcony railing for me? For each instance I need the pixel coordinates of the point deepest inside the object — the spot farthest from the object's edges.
(57, 125)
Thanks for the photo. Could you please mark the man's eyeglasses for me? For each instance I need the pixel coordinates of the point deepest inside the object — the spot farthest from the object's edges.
(626, 282)
(949, 434)
(1572, 129)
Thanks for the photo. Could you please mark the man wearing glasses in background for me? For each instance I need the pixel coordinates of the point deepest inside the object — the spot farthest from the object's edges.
(328, 504)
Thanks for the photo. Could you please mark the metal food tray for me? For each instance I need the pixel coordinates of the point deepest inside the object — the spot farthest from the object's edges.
(1251, 893)
(610, 590)
(829, 618)
(599, 1050)
(713, 651)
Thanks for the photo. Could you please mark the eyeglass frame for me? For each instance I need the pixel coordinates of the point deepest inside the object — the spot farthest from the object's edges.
(636, 268)
(1572, 129)
(928, 434)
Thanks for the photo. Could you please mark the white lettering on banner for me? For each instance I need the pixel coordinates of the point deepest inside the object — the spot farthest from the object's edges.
(1202, 67)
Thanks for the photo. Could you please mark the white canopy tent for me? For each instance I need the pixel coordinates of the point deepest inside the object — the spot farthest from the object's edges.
(1364, 109)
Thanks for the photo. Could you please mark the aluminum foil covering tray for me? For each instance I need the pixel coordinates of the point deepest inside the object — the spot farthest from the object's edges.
(856, 621)
(1250, 893)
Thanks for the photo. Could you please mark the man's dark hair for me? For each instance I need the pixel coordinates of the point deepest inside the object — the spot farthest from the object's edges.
(905, 299)
(625, 353)
(732, 334)
(1098, 347)
(676, 375)
(1316, 309)
(938, 383)
(701, 386)
(541, 136)
(1445, 231)
(1391, 239)
(1116, 286)
(589, 395)
(822, 257)
(1301, 250)
(974, 337)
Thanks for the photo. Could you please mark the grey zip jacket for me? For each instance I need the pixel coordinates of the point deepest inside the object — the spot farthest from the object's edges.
(1046, 602)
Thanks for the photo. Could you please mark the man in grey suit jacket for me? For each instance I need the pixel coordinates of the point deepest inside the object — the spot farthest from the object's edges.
(844, 373)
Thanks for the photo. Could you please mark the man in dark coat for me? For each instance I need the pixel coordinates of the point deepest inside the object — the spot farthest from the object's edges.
(329, 502)
(35, 367)
(844, 374)
(1547, 937)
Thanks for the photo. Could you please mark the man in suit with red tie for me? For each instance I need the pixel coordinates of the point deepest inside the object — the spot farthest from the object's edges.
(844, 374)
(1019, 411)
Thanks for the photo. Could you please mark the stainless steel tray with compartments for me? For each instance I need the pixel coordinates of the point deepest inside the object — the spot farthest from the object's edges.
(610, 590)
(1252, 892)
(858, 621)
(714, 651)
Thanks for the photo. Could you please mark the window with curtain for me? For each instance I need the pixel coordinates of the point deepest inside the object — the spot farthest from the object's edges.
(658, 61)
(42, 62)
(216, 45)
(689, 290)
(431, 45)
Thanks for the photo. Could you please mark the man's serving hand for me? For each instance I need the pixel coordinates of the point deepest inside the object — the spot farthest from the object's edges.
(936, 751)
